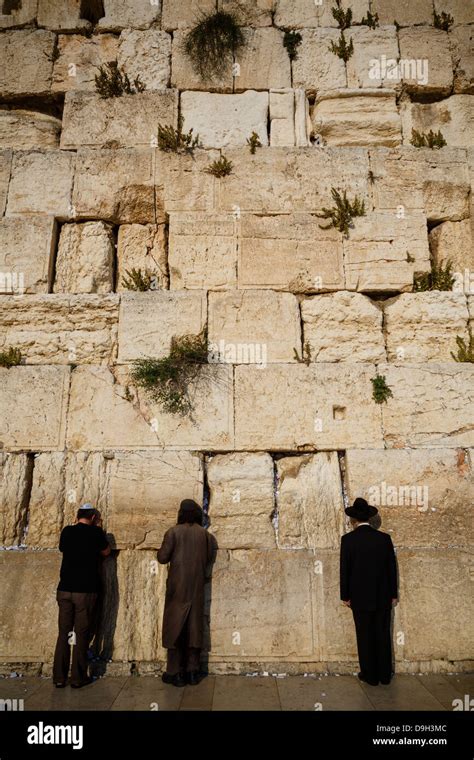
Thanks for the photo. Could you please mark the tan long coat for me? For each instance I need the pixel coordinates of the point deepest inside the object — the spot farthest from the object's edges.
(190, 551)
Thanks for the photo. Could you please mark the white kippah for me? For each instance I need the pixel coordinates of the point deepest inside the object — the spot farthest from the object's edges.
(86, 506)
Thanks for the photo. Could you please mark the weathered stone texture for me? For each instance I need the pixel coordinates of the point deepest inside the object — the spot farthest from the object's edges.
(253, 327)
(5, 170)
(343, 326)
(357, 117)
(79, 59)
(26, 63)
(41, 183)
(85, 259)
(121, 14)
(316, 67)
(147, 55)
(23, 129)
(60, 329)
(431, 45)
(225, 121)
(452, 241)
(241, 502)
(264, 63)
(310, 508)
(202, 250)
(148, 321)
(453, 117)
(26, 252)
(13, 497)
(25, 391)
(461, 41)
(142, 247)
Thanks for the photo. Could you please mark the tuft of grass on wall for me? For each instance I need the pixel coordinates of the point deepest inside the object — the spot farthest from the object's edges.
(171, 140)
(465, 350)
(10, 357)
(213, 42)
(111, 82)
(221, 167)
(381, 392)
(427, 139)
(439, 278)
(342, 213)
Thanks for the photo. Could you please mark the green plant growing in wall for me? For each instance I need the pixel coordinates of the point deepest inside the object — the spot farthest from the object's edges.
(10, 357)
(111, 82)
(381, 392)
(213, 42)
(439, 278)
(171, 140)
(291, 41)
(443, 21)
(342, 48)
(465, 350)
(343, 18)
(169, 381)
(342, 213)
(305, 357)
(371, 20)
(136, 279)
(254, 142)
(221, 167)
(427, 139)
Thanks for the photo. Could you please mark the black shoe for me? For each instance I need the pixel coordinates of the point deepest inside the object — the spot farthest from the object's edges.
(60, 685)
(83, 683)
(386, 683)
(177, 680)
(366, 680)
(194, 677)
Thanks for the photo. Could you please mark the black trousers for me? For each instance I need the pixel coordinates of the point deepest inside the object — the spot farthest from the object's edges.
(183, 658)
(76, 612)
(374, 644)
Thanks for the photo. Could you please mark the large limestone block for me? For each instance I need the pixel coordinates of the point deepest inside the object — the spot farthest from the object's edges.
(461, 39)
(15, 473)
(60, 329)
(85, 259)
(263, 64)
(115, 185)
(148, 321)
(282, 118)
(436, 588)
(357, 117)
(365, 67)
(5, 171)
(174, 16)
(310, 507)
(333, 624)
(142, 246)
(261, 605)
(422, 327)
(289, 252)
(18, 14)
(202, 250)
(343, 326)
(185, 76)
(209, 426)
(130, 121)
(187, 187)
(41, 183)
(241, 501)
(403, 12)
(28, 129)
(136, 586)
(37, 422)
(79, 59)
(144, 491)
(29, 620)
(432, 405)
(384, 250)
(308, 13)
(252, 12)
(434, 181)
(431, 46)
(64, 16)
(225, 121)
(26, 63)
(453, 241)
(461, 11)
(316, 67)
(26, 253)
(254, 326)
(423, 495)
(338, 410)
(122, 14)
(291, 180)
(146, 54)
(453, 116)
(47, 501)
(117, 419)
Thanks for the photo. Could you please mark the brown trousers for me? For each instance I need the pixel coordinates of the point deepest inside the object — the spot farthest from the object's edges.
(76, 612)
(183, 658)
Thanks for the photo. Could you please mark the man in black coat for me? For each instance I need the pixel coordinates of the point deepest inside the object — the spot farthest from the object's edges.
(369, 587)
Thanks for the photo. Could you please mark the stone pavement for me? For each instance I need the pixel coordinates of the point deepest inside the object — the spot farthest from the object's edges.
(406, 692)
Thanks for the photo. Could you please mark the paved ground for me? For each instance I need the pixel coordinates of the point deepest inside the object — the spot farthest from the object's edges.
(406, 692)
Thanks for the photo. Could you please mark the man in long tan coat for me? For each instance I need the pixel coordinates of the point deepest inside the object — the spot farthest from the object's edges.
(190, 551)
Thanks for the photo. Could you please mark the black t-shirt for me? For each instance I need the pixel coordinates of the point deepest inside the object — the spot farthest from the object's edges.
(81, 545)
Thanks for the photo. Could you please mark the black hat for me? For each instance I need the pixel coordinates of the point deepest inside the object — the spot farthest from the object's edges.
(361, 510)
(188, 505)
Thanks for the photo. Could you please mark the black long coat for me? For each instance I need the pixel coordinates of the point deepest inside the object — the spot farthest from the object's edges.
(368, 569)
(190, 550)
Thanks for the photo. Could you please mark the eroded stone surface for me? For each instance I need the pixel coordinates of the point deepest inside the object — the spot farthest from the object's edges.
(24, 271)
(85, 259)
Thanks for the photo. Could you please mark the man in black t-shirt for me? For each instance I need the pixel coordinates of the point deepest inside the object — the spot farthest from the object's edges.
(82, 545)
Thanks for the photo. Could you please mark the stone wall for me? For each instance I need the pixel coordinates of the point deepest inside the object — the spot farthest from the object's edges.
(285, 431)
